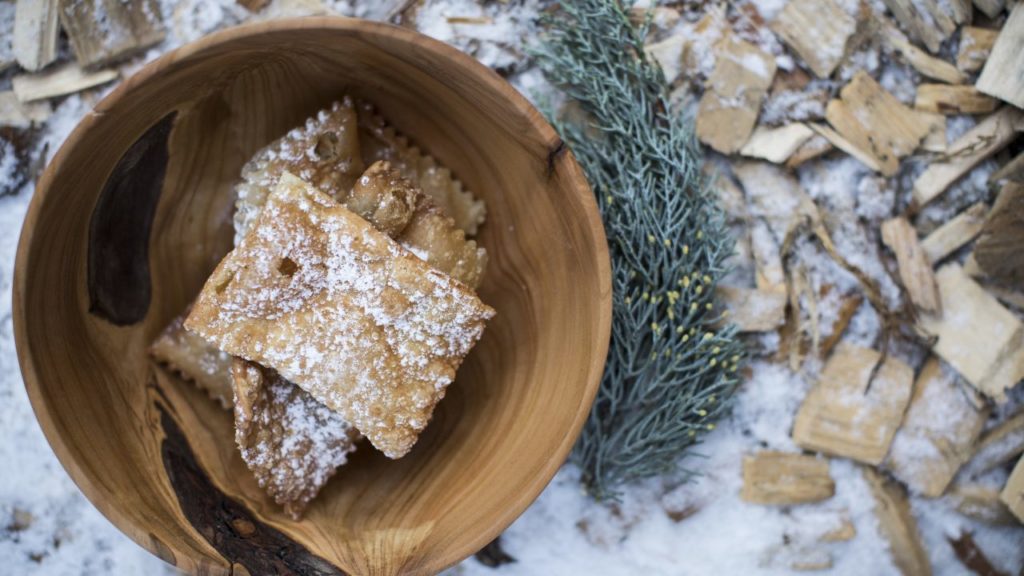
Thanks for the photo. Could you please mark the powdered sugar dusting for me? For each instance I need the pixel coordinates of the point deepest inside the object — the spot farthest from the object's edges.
(343, 311)
(291, 442)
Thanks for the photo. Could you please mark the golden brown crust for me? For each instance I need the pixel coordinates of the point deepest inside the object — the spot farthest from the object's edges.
(292, 443)
(195, 360)
(380, 141)
(340, 309)
(324, 152)
(424, 229)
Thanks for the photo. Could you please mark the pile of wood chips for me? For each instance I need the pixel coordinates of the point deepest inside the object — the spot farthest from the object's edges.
(936, 431)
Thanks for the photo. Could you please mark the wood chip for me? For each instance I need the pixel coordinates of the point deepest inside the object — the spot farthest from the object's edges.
(815, 146)
(953, 100)
(730, 196)
(999, 251)
(769, 274)
(774, 194)
(35, 33)
(1012, 171)
(66, 79)
(981, 503)
(776, 144)
(845, 532)
(935, 139)
(819, 31)
(938, 432)
(837, 140)
(975, 46)
(669, 55)
(1013, 493)
(847, 309)
(785, 478)
(975, 334)
(990, 136)
(971, 556)
(753, 310)
(875, 123)
(1003, 75)
(732, 98)
(928, 66)
(848, 413)
(21, 115)
(955, 233)
(897, 525)
(997, 447)
(103, 31)
(914, 266)
(924, 21)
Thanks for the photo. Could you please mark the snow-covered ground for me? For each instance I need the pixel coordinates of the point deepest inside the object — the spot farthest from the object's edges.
(662, 526)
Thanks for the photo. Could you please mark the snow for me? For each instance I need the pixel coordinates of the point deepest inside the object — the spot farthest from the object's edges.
(662, 526)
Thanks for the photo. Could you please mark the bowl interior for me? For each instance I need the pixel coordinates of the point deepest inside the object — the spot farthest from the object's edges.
(146, 182)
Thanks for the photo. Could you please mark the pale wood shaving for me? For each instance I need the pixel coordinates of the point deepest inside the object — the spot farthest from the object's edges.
(1003, 74)
(990, 136)
(849, 413)
(815, 146)
(975, 334)
(66, 79)
(1013, 493)
(980, 502)
(924, 20)
(819, 31)
(935, 139)
(35, 33)
(951, 100)
(874, 122)
(668, 53)
(997, 446)
(914, 266)
(785, 478)
(732, 98)
(103, 31)
(753, 310)
(929, 66)
(955, 233)
(897, 524)
(975, 46)
(776, 145)
(19, 114)
(836, 139)
(938, 432)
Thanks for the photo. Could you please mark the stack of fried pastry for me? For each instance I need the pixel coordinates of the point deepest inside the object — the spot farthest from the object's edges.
(346, 306)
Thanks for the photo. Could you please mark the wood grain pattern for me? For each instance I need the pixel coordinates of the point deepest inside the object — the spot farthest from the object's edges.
(119, 227)
(506, 424)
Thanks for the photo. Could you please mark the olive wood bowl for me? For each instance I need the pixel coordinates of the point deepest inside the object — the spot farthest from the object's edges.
(134, 212)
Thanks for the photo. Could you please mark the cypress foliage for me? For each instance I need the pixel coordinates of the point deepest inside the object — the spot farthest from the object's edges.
(672, 364)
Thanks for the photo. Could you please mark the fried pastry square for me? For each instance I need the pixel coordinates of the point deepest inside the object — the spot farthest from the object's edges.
(337, 307)
(195, 360)
(292, 443)
(324, 152)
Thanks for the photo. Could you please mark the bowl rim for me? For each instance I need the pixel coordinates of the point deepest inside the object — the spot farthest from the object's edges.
(520, 500)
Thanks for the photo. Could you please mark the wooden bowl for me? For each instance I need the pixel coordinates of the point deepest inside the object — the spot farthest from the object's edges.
(132, 215)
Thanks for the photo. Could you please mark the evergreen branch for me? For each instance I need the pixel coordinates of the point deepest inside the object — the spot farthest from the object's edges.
(672, 364)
